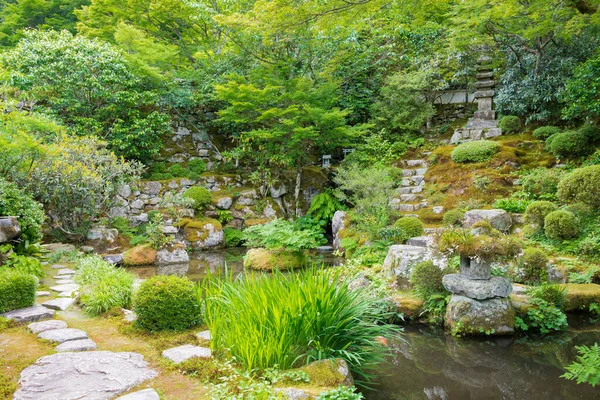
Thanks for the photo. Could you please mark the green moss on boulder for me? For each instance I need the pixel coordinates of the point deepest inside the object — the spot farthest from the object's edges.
(270, 260)
(139, 255)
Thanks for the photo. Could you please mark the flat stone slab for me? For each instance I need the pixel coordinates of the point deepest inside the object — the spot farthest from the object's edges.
(185, 352)
(77, 345)
(421, 241)
(62, 276)
(29, 314)
(66, 271)
(63, 335)
(204, 335)
(42, 293)
(60, 304)
(92, 375)
(68, 294)
(71, 287)
(481, 289)
(146, 394)
(39, 327)
(64, 281)
(58, 266)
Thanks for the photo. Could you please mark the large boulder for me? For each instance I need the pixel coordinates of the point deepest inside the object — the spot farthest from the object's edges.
(139, 255)
(468, 316)
(496, 287)
(102, 234)
(174, 255)
(499, 219)
(338, 223)
(269, 260)
(9, 228)
(401, 259)
(203, 234)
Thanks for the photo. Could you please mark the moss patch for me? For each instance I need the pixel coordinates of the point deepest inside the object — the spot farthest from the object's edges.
(256, 221)
(270, 260)
(139, 255)
(580, 296)
(408, 304)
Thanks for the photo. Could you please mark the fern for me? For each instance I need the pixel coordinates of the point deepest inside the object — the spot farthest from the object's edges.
(323, 206)
(587, 367)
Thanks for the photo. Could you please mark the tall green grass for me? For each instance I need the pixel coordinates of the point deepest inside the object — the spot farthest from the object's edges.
(291, 320)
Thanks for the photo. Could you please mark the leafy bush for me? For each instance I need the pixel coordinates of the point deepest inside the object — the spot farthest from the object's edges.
(410, 226)
(542, 183)
(568, 144)
(587, 367)
(454, 217)
(317, 317)
(25, 264)
(476, 151)
(550, 293)
(103, 286)
(426, 279)
(167, 303)
(200, 195)
(281, 234)
(154, 233)
(512, 205)
(537, 211)
(544, 132)
(543, 316)
(323, 206)
(582, 185)
(509, 124)
(534, 263)
(197, 166)
(233, 237)
(17, 289)
(591, 132)
(560, 225)
(341, 393)
(16, 203)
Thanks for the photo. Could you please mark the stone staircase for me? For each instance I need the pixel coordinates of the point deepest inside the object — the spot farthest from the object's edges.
(409, 196)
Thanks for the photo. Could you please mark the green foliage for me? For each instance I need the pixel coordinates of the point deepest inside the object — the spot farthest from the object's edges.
(590, 247)
(426, 279)
(544, 317)
(583, 277)
(17, 289)
(224, 216)
(569, 144)
(378, 149)
(582, 185)
(123, 226)
(476, 151)
(587, 367)
(200, 195)
(341, 393)
(324, 205)
(25, 264)
(197, 166)
(542, 183)
(581, 91)
(560, 224)
(509, 124)
(154, 232)
(409, 227)
(512, 204)
(233, 237)
(550, 293)
(282, 234)
(534, 263)
(544, 132)
(453, 217)
(492, 246)
(537, 211)
(103, 286)
(166, 303)
(318, 317)
(16, 203)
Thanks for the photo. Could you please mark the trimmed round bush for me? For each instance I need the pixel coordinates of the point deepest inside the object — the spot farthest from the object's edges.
(542, 182)
(200, 195)
(411, 226)
(559, 225)
(537, 211)
(453, 217)
(426, 279)
(582, 185)
(534, 265)
(591, 132)
(509, 124)
(16, 203)
(197, 166)
(544, 132)
(166, 303)
(568, 144)
(476, 151)
(17, 290)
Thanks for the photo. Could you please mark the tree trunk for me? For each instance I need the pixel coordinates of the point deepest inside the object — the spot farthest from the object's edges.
(297, 190)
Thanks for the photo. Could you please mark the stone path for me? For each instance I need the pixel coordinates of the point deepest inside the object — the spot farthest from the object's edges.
(409, 196)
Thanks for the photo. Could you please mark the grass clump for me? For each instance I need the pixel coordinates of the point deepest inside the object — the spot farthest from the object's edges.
(17, 289)
(476, 151)
(292, 320)
(534, 263)
(166, 303)
(103, 287)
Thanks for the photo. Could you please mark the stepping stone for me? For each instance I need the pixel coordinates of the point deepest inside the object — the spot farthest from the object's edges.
(29, 314)
(416, 163)
(68, 294)
(408, 172)
(60, 304)
(58, 266)
(325, 249)
(42, 293)
(146, 394)
(63, 335)
(70, 287)
(408, 197)
(77, 345)
(63, 277)
(65, 281)
(39, 327)
(417, 179)
(404, 190)
(406, 182)
(416, 189)
(421, 171)
(66, 271)
(185, 352)
(91, 375)
(204, 335)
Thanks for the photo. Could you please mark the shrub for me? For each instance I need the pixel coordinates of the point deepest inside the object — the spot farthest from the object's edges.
(537, 211)
(581, 185)
(323, 206)
(476, 151)
(544, 132)
(509, 124)
(200, 195)
(25, 264)
(166, 303)
(454, 217)
(561, 225)
(196, 166)
(534, 265)
(542, 183)
(17, 289)
(233, 237)
(103, 286)
(426, 279)
(512, 205)
(590, 246)
(411, 227)
(591, 132)
(314, 316)
(29, 213)
(280, 234)
(544, 316)
(587, 367)
(568, 144)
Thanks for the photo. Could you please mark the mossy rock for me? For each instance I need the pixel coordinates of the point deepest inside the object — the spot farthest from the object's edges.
(203, 233)
(139, 255)
(580, 296)
(329, 373)
(408, 304)
(270, 260)
(466, 316)
(256, 221)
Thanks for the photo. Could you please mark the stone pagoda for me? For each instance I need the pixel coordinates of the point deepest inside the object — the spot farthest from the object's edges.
(483, 125)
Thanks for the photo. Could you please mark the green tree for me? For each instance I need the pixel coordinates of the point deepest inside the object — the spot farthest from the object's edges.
(582, 94)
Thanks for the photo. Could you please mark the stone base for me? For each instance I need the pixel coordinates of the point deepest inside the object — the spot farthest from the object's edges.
(476, 129)
(401, 259)
(480, 317)
(477, 289)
